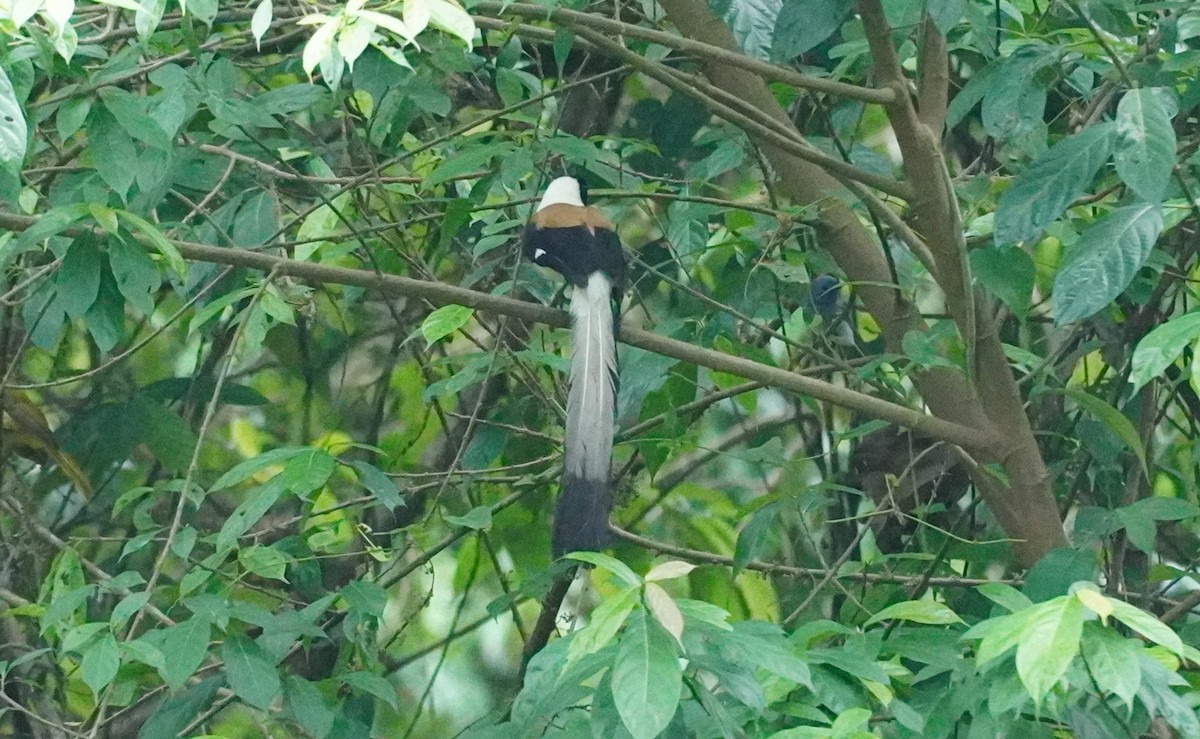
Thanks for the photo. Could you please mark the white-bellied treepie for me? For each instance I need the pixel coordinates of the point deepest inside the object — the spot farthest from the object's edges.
(579, 243)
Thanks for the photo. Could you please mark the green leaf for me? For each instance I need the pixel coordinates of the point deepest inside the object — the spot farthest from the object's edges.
(1048, 643)
(1007, 273)
(257, 220)
(365, 597)
(251, 671)
(372, 684)
(802, 24)
(1112, 661)
(175, 713)
(186, 643)
(1101, 264)
(78, 279)
(477, 519)
(1015, 100)
(265, 562)
(245, 470)
(472, 159)
(918, 611)
(646, 677)
(105, 319)
(111, 151)
(248, 512)
(13, 130)
(1040, 194)
(138, 278)
(137, 224)
(1161, 347)
(167, 435)
(100, 663)
(604, 623)
(752, 23)
(1005, 596)
(1116, 421)
(1146, 625)
(1145, 151)
(304, 703)
(753, 539)
(379, 485)
(129, 110)
(603, 561)
(445, 321)
(1159, 508)
(307, 471)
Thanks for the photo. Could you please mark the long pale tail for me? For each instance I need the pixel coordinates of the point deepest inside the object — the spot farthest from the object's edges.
(581, 515)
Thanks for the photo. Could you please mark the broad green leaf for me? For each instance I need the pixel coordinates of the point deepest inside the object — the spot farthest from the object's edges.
(261, 21)
(1006, 272)
(365, 596)
(1161, 347)
(802, 24)
(603, 561)
(78, 279)
(265, 562)
(100, 663)
(998, 635)
(753, 539)
(379, 485)
(130, 112)
(139, 225)
(478, 156)
(1112, 661)
(111, 151)
(144, 652)
(307, 471)
(604, 623)
(1048, 643)
(445, 321)
(1005, 596)
(307, 706)
(186, 643)
(245, 470)
(1116, 422)
(1040, 194)
(646, 678)
(13, 130)
(1145, 150)
(1101, 264)
(248, 513)
(251, 671)
(1146, 625)
(477, 519)
(1015, 100)
(138, 277)
(372, 684)
(167, 435)
(918, 611)
(1159, 508)
(175, 713)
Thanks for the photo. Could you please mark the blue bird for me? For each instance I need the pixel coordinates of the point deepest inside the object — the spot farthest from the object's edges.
(825, 300)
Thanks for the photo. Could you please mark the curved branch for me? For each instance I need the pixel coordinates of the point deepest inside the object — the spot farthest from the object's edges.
(439, 293)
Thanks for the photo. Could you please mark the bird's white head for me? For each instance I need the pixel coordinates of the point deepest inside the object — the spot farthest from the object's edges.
(562, 191)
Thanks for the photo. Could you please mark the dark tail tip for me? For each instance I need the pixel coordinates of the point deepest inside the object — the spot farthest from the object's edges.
(581, 516)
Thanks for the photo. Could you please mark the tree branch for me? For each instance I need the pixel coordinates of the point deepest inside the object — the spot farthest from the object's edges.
(439, 293)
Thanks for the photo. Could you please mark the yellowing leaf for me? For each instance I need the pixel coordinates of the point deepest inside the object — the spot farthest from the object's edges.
(664, 609)
(669, 570)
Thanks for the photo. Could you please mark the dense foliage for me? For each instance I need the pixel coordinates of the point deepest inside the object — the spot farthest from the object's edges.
(282, 402)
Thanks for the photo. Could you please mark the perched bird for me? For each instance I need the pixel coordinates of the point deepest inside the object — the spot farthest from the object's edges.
(825, 300)
(579, 243)
(27, 434)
